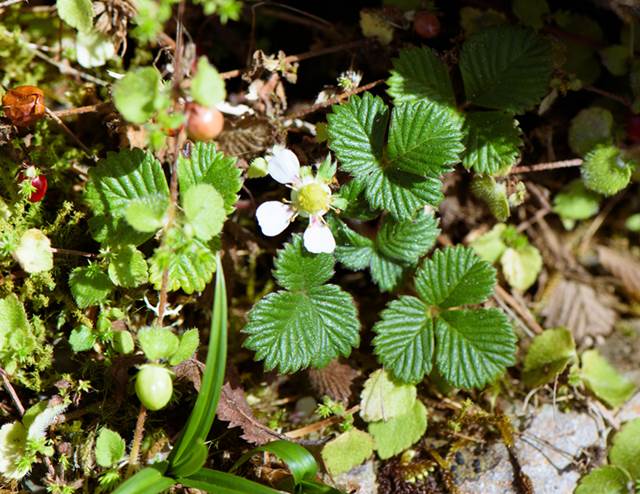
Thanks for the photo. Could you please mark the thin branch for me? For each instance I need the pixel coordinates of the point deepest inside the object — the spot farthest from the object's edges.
(607, 94)
(70, 112)
(305, 56)
(308, 429)
(333, 101)
(72, 252)
(551, 165)
(521, 310)
(67, 69)
(12, 392)
(134, 455)
(67, 131)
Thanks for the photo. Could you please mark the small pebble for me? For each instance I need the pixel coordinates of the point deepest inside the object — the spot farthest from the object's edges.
(459, 458)
(476, 465)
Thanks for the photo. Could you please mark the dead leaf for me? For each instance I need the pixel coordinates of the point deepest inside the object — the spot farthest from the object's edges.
(233, 408)
(334, 380)
(191, 370)
(578, 307)
(625, 267)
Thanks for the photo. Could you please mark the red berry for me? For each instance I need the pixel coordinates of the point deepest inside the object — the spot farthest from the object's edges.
(426, 25)
(633, 128)
(39, 183)
(203, 124)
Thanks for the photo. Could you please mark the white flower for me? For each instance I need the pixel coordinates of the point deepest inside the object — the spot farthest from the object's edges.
(13, 437)
(310, 198)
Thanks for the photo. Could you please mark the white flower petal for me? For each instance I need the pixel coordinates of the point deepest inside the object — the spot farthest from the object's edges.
(284, 166)
(274, 217)
(318, 237)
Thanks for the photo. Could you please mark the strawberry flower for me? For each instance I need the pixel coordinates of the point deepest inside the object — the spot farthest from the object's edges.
(310, 198)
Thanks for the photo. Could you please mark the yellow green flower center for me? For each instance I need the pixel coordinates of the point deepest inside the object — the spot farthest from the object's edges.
(313, 198)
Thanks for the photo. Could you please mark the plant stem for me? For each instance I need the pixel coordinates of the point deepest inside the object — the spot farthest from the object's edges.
(12, 392)
(134, 456)
(551, 165)
(72, 252)
(82, 109)
(67, 131)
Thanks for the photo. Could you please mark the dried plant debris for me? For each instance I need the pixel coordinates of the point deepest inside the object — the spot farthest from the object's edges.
(623, 266)
(233, 408)
(578, 307)
(334, 380)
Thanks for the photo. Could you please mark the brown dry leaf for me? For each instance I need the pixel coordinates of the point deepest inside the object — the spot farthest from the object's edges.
(579, 308)
(233, 408)
(190, 370)
(624, 266)
(334, 380)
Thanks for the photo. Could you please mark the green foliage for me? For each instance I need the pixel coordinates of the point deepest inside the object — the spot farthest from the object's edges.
(606, 171)
(425, 139)
(589, 128)
(471, 347)
(397, 247)
(625, 450)
(493, 194)
(127, 267)
(575, 202)
(82, 338)
(204, 209)
(311, 323)
(158, 342)
(548, 355)
(492, 142)
(418, 74)
(531, 13)
(383, 398)
(398, 433)
(346, 451)
(607, 479)
(110, 447)
(506, 68)
(189, 341)
(76, 13)
(603, 380)
(120, 181)
(90, 286)
(140, 94)
(33, 252)
(521, 266)
(207, 87)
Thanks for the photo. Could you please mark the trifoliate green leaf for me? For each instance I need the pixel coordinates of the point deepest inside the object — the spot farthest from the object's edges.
(120, 180)
(76, 13)
(110, 447)
(625, 450)
(82, 338)
(356, 134)
(616, 59)
(506, 68)
(605, 171)
(298, 269)
(490, 246)
(208, 166)
(294, 330)
(493, 194)
(89, 286)
(353, 250)
(425, 138)
(398, 433)
(405, 339)
(189, 341)
(589, 128)
(207, 87)
(346, 451)
(383, 398)
(386, 273)
(607, 479)
(128, 267)
(190, 262)
(94, 49)
(605, 381)
(531, 13)
(455, 276)
(576, 202)
(418, 74)
(157, 342)
(492, 141)
(147, 215)
(473, 346)
(407, 241)
(140, 94)
(33, 252)
(548, 355)
(521, 267)
(204, 208)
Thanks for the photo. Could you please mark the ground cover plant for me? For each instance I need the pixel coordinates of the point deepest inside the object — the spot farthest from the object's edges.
(261, 247)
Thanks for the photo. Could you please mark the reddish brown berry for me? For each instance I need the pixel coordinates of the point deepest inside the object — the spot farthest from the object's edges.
(203, 124)
(426, 25)
(23, 105)
(39, 183)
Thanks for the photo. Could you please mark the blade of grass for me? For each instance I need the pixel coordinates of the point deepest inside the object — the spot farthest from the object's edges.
(146, 481)
(218, 482)
(204, 411)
